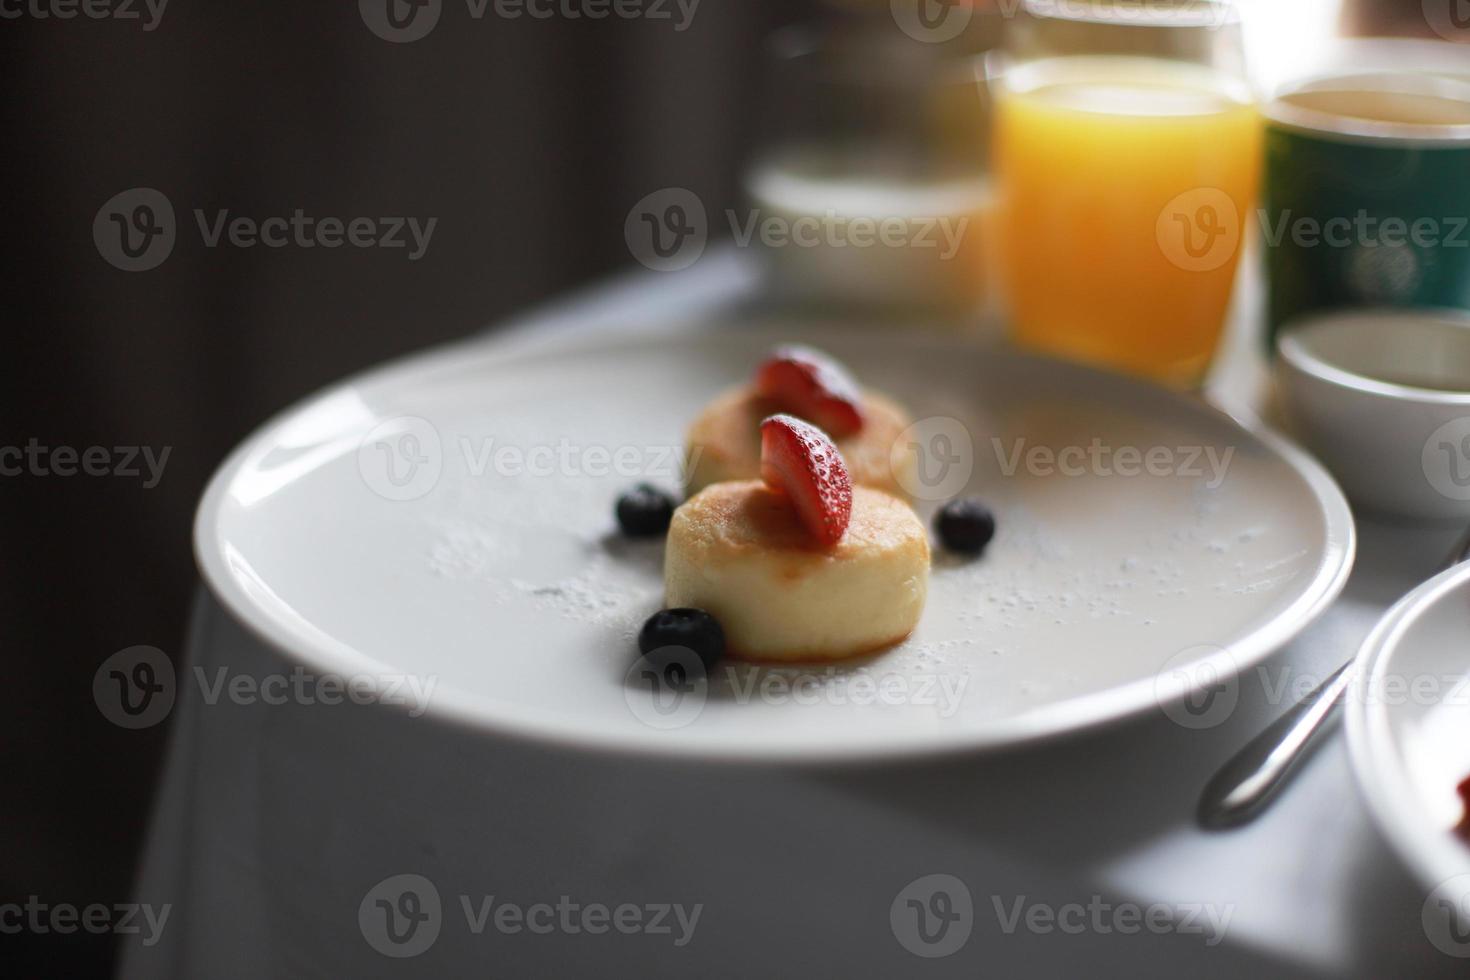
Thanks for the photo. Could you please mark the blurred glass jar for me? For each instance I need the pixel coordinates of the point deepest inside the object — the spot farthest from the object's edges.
(869, 190)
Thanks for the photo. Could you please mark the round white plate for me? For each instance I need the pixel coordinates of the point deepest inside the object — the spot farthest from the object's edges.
(450, 517)
(1408, 727)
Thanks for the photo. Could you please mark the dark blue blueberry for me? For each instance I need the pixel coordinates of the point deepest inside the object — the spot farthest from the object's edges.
(668, 632)
(965, 525)
(645, 511)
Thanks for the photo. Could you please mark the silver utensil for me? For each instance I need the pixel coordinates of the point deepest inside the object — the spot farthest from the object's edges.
(1252, 777)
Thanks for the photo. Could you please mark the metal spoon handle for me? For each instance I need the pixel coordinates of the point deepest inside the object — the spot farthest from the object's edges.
(1247, 782)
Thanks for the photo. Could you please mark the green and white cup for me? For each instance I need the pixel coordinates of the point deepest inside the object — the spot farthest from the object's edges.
(1366, 199)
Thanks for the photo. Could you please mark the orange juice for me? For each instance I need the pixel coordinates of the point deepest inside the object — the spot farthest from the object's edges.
(1125, 189)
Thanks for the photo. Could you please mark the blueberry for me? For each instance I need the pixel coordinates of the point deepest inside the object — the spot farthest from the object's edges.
(965, 525)
(645, 511)
(669, 631)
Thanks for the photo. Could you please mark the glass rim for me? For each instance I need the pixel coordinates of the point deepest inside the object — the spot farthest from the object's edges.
(1357, 128)
(1155, 14)
(1018, 76)
(826, 54)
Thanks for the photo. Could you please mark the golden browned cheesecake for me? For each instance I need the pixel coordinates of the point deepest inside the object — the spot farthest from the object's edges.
(724, 442)
(740, 551)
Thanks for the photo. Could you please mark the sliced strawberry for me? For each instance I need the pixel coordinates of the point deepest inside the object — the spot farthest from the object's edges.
(800, 460)
(811, 385)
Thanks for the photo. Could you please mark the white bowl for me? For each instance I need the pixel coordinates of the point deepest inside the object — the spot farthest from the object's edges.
(1408, 729)
(1382, 397)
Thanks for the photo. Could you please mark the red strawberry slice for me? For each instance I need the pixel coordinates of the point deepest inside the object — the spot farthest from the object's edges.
(800, 460)
(809, 384)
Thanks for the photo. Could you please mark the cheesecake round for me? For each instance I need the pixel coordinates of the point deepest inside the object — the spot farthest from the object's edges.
(739, 551)
(724, 443)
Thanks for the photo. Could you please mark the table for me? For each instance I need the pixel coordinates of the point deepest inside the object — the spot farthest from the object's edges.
(280, 828)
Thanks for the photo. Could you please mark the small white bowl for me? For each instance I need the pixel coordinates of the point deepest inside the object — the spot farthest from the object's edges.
(1382, 397)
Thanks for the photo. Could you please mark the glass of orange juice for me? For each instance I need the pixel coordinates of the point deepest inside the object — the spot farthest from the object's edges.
(1126, 163)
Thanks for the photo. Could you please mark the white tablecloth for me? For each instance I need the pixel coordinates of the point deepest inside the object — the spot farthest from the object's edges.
(277, 825)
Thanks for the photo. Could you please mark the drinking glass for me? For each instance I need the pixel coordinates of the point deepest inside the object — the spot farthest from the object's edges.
(1126, 161)
(868, 189)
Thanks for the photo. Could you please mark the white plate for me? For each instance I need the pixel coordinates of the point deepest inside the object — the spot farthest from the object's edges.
(1102, 596)
(1408, 726)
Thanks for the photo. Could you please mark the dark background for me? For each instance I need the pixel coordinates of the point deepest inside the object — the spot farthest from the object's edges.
(528, 139)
